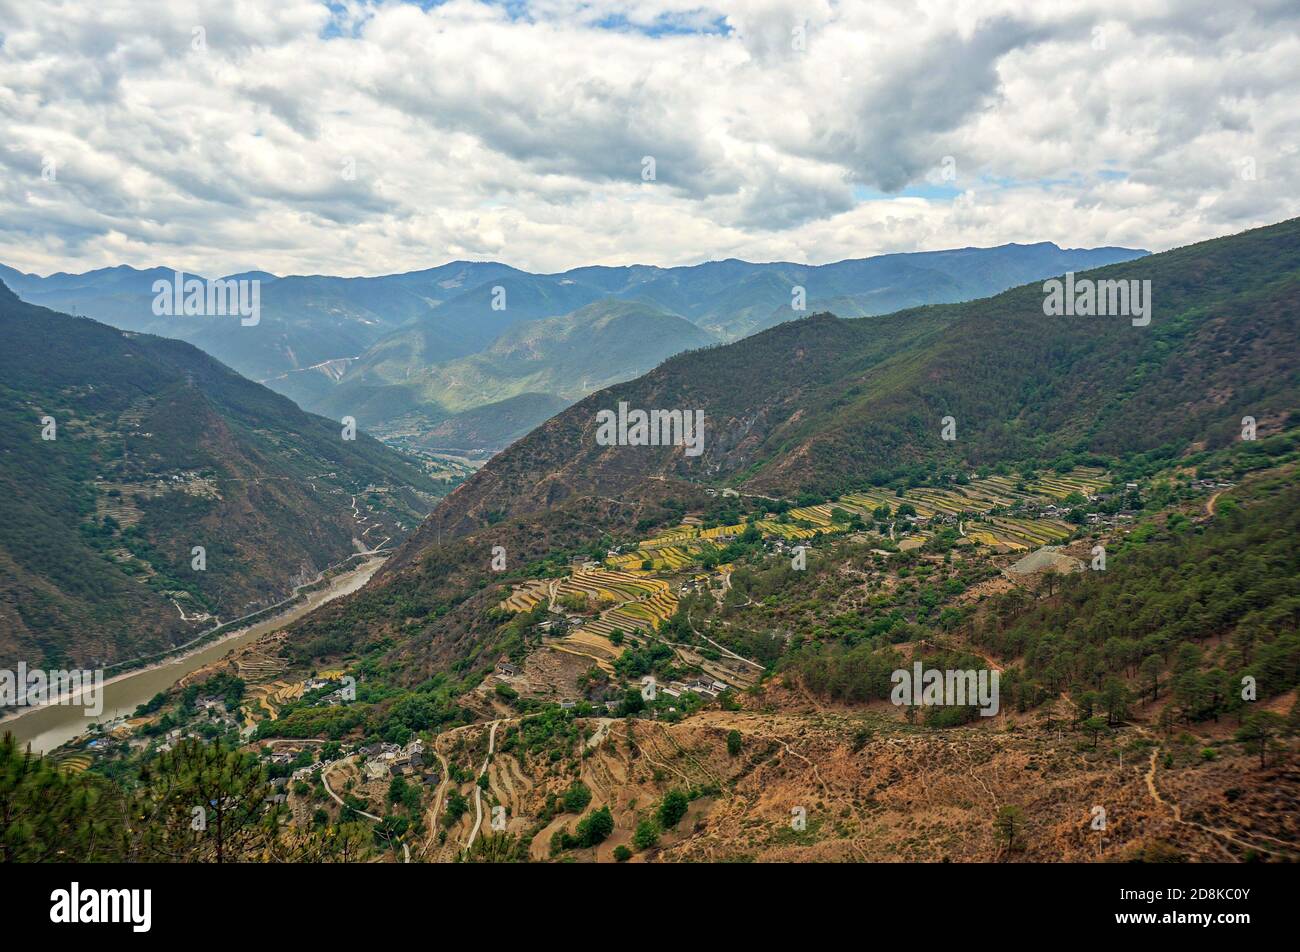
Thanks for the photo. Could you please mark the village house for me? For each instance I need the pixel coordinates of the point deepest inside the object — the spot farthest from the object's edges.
(702, 688)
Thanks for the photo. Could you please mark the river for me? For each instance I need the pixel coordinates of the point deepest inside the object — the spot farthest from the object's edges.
(51, 725)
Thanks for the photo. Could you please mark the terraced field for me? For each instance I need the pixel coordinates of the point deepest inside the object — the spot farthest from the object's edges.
(667, 553)
(790, 532)
(267, 699)
(592, 644)
(72, 763)
(681, 534)
(632, 602)
(1020, 534)
(818, 515)
(255, 664)
(1082, 479)
(602, 586)
(719, 532)
(526, 597)
(979, 496)
(635, 600)
(627, 560)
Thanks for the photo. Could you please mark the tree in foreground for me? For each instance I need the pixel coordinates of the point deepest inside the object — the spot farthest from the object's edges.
(47, 816)
(203, 802)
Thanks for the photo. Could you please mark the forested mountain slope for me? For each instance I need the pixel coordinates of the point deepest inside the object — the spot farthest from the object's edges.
(158, 448)
(826, 403)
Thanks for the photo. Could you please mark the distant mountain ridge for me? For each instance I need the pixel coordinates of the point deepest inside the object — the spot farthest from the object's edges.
(376, 341)
(563, 358)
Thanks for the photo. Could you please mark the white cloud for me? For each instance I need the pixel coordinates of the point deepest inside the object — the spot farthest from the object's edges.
(483, 131)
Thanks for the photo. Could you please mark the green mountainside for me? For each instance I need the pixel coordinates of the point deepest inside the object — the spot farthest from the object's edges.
(159, 448)
(825, 403)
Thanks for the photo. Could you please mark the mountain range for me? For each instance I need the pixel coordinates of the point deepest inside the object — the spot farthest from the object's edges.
(461, 357)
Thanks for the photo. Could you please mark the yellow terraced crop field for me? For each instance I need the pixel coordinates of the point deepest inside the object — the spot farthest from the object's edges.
(594, 645)
(675, 558)
(981, 495)
(670, 558)
(73, 763)
(671, 538)
(271, 697)
(643, 615)
(819, 515)
(719, 531)
(1020, 533)
(619, 586)
(1033, 532)
(786, 530)
(1058, 487)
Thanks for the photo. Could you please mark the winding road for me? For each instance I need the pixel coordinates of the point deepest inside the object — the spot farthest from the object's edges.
(325, 782)
(478, 791)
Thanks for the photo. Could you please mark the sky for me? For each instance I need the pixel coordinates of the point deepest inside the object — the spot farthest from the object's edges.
(360, 138)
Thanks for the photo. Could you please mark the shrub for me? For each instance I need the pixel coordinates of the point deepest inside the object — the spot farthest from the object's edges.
(672, 808)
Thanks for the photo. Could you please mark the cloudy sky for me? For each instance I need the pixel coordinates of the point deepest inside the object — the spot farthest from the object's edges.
(366, 138)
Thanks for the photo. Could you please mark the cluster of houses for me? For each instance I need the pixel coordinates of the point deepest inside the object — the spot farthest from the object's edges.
(335, 698)
(306, 773)
(174, 737)
(1210, 485)
(558, 624)
(392, 760)
(1111, 520)
(696, 583)
(607, 705)
(704, 687)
